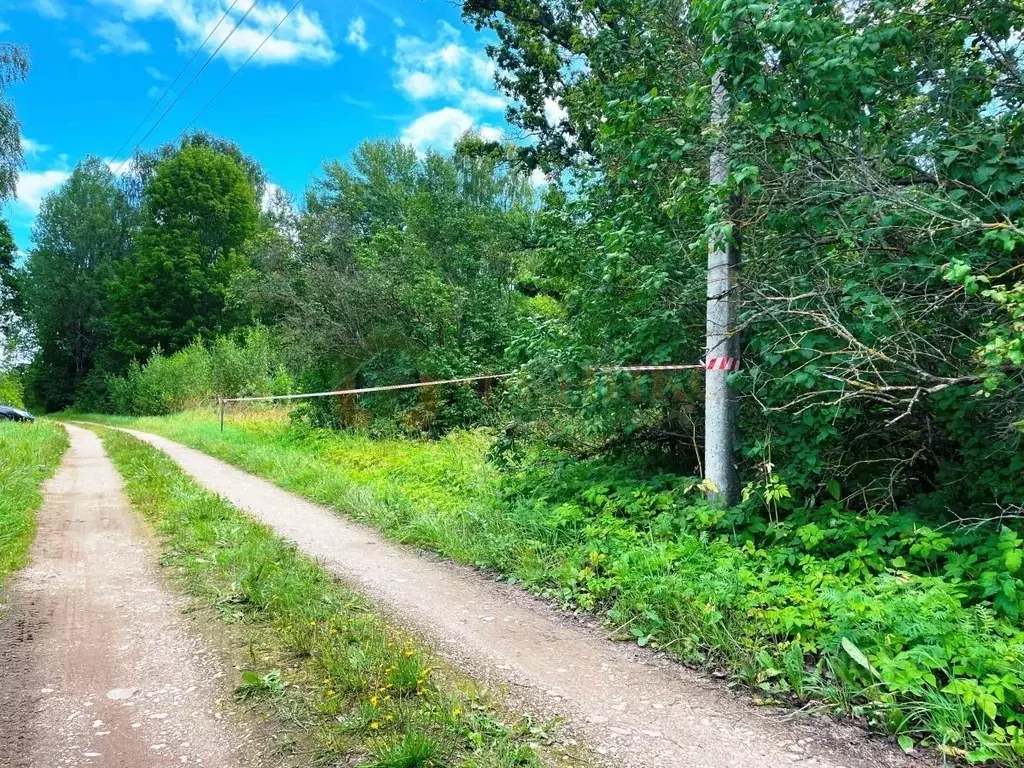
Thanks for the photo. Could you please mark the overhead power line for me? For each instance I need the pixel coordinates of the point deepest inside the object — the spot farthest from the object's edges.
(237, 71)
(173, 82)
(194, 78)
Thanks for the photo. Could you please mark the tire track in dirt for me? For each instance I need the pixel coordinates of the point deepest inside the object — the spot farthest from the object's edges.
(97, 666)
(632, 705)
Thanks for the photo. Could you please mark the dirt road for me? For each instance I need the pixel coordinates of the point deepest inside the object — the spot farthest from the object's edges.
(97, 663)
(635, 707)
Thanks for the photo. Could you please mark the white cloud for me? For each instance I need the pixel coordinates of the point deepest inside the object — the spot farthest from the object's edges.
(49, 8)
(452, 54)
(300, 37)
(437, 130)
(32, 148)
(156, 74)
(491, 133)
(78, 52)
(33, 186)
(475, 98)
(120, 167)
(353, 101)
(554, 112)
(120, 38)
(483, 67)
(271, 192)
(444, 68)
(538, 179)
(398, 21)
(4, 27)
(276, 201)
(154, 91)
(420, 85)
(357, 33)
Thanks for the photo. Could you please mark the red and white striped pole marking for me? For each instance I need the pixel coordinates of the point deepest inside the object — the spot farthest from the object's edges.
(723, 364)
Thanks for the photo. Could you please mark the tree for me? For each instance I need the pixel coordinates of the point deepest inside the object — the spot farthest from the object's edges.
(402, 267)
(199, 210)
(84, 230)
(14, 66)
(143, 165)
(875, 176)
(10, 298)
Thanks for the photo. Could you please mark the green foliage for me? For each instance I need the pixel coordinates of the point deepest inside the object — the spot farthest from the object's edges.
(31, 453)
(244, 365)
(401, 269)
(875, 176)
(10, 298)
(199, 211)
(84, 230)
(879, 616)
(14, 66)
(144, 165)
(255, 685)
(341, 657)
(12, 391)
(875, 159)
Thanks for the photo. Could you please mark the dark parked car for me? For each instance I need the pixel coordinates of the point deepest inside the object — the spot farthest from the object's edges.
(7, 413)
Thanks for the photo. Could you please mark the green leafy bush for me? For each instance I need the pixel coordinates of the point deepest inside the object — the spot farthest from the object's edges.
(11, 390)
(914, 628)
(246, 365)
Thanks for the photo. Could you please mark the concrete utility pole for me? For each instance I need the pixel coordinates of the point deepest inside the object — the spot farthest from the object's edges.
(722, 344)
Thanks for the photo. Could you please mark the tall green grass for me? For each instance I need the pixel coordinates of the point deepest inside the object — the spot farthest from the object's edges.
(343, 683)
(435, 494)
(29, 453)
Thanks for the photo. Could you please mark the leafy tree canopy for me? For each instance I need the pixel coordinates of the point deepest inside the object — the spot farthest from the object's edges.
(198, 212)
(84, 230)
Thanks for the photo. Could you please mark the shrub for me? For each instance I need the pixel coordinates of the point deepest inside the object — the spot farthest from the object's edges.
(880, 615)
(11, 390)
(227, 367)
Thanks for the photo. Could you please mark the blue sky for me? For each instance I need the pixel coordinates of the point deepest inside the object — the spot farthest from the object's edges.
(335, 73)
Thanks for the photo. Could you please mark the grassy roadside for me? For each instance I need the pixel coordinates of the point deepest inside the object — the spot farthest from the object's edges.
(361, 691)
(29, 454)
(857, 633)
(438, 495)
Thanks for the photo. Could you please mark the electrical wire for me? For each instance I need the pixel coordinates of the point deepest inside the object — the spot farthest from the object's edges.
(173, 82)
(190, 82)
(237, 71)
(481, 377)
